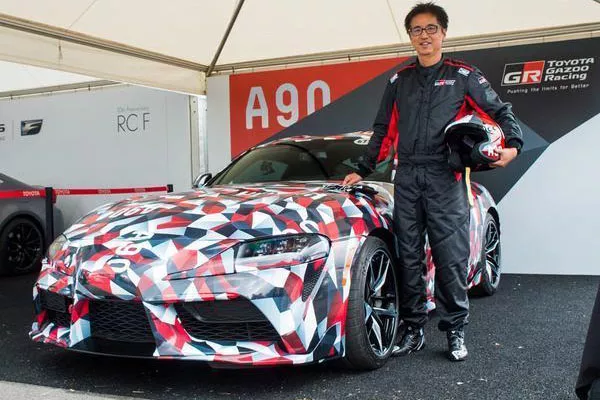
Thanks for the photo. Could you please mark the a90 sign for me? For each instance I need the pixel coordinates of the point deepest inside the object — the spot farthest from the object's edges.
(287, 102)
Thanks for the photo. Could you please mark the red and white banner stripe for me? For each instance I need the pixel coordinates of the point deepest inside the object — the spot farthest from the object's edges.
(15, 194)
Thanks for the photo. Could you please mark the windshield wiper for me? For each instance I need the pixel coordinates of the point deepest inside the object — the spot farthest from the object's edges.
(354, 189)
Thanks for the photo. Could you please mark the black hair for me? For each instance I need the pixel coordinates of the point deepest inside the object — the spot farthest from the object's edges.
(427, 8)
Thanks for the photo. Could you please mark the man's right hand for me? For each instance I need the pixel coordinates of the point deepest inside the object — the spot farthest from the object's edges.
(352, 179)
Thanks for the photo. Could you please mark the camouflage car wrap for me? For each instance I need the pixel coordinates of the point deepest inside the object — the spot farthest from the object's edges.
(162, 276)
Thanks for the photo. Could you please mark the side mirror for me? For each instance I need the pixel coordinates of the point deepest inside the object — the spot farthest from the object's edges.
(201, 180)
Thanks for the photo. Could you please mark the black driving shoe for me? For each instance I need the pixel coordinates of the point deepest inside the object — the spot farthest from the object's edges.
(457, 351)
(413, 340)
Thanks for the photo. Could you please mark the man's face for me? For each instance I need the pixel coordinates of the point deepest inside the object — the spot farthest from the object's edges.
(426, 43)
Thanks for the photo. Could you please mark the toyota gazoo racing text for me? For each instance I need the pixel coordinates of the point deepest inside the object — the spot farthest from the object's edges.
(272, 261)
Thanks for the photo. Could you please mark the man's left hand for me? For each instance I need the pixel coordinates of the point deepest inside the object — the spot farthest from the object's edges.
(506, 156)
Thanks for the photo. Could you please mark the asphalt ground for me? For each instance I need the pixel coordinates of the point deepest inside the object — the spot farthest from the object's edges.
(525, 342)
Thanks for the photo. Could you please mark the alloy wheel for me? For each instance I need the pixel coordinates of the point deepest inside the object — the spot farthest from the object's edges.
(24, 246)
(492, 253)
(381, 306)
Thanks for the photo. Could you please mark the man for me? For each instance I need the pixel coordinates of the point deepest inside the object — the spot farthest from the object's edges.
(419, 101)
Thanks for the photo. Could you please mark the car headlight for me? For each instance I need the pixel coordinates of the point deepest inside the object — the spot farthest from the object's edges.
(56, 246)
(280, 251)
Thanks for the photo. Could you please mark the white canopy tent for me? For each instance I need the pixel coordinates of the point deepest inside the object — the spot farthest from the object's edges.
(21, 79)
(173, 45)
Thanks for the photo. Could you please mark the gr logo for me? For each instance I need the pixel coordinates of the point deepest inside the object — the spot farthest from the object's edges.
(526, 73)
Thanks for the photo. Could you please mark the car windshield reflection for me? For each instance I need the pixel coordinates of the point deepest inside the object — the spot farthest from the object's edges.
(311, 160)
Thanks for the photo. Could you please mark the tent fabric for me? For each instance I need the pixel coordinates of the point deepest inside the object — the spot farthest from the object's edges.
(30, 49)
(189, 31)
(22, 77)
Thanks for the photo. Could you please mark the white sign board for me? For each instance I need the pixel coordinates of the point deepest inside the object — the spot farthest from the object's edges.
(121, 136)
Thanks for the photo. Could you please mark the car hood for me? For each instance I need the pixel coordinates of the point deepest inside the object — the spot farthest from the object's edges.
(194, 233)
(237, 212)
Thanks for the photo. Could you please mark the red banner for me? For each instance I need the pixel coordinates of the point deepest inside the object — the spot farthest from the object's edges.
(15, 194)
(264, 103)
(79, 192)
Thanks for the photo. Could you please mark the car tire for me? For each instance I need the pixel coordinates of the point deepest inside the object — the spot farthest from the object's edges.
(373, 305)
(21, 247)
(491, 261)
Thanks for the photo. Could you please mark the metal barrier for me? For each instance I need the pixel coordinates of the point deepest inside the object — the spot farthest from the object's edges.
(50, 194)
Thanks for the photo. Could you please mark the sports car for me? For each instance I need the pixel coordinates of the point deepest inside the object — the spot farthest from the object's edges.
(23, 228)
(271, 261)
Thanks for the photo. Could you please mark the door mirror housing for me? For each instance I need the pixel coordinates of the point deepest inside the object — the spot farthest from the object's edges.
(201, 180)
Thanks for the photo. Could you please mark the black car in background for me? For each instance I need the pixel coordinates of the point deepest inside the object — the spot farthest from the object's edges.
(22, 229)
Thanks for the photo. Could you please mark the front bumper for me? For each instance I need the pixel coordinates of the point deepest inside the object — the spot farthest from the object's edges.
(291, 315)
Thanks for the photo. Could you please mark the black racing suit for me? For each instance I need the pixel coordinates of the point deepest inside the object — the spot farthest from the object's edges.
(417, 104)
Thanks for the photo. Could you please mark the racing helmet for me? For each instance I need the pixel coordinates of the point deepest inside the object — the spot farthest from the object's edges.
(472, 141)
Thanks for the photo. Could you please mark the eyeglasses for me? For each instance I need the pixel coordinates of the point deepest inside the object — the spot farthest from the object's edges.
(431, 29)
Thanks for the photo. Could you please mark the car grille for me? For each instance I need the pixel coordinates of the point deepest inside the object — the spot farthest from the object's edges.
(231, 320)
(59, 318)
(311, 276)
(57, 307)
(124, 321)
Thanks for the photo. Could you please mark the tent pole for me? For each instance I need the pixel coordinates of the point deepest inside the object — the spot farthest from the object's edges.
(211, 67)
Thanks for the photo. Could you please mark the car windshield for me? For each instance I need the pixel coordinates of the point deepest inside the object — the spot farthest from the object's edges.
(311, 160)
(8, 183)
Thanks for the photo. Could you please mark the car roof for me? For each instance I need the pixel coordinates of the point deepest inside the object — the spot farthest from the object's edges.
(350, 136)
(8, 183)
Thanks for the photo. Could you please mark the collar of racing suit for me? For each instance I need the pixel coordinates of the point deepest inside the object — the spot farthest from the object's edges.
(431, 68)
